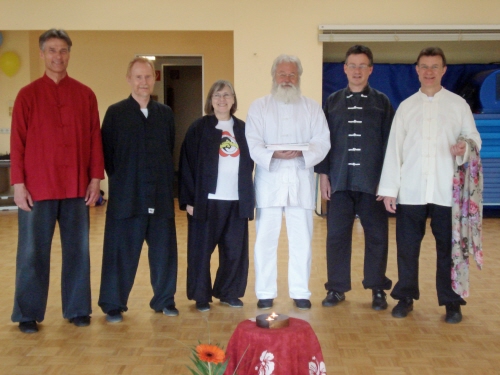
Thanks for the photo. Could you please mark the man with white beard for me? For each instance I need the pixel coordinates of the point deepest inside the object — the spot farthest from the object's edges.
(284, 179)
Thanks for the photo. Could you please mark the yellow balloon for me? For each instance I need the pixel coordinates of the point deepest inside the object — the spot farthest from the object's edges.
(10, 63)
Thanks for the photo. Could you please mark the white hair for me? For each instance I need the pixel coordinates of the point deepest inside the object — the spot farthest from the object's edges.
(286, 92)
(286, 59)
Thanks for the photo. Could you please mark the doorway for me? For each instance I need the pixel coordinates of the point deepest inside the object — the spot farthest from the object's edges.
(180, 86)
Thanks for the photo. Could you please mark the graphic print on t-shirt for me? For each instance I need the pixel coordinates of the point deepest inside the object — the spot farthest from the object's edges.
(228, 145)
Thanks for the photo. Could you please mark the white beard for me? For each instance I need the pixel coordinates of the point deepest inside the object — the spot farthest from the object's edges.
(286, 94)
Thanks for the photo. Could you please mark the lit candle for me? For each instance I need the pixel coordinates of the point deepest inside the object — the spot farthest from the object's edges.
(274, 315)
(269, 318)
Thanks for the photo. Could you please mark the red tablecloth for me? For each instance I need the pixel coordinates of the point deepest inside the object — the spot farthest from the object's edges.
(293, 350)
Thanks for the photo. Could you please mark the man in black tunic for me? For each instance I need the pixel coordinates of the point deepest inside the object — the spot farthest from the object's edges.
(359, 119)
(138, 142)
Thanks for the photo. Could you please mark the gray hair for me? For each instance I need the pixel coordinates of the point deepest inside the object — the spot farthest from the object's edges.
(54, 33)
(217, 86)
(286, 59)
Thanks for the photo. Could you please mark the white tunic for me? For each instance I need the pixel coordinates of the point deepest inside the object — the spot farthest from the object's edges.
(418, 164)
(281, 182)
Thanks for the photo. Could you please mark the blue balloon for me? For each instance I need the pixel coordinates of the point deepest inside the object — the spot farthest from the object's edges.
(1, 39)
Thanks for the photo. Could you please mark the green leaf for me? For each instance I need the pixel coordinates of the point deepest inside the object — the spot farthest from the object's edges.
(220, 368)
(200, 365)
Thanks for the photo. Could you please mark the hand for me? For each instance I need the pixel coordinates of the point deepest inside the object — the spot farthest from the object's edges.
(190, 209)
(324, 186)
(458, 149)
(22, 197)
(286, 154)
(93, 191)
(390, 204)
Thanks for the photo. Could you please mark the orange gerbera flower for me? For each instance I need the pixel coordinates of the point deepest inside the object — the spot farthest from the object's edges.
(210, 353)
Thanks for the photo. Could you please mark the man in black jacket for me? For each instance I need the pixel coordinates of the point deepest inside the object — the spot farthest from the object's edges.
(359, 119)
(138, 141)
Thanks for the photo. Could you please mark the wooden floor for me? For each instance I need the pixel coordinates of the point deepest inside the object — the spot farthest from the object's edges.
(354, 338)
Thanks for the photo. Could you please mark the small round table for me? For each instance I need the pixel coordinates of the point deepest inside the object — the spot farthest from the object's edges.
(292, 350)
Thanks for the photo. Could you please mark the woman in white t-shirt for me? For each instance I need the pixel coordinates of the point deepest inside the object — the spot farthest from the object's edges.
(216, 190)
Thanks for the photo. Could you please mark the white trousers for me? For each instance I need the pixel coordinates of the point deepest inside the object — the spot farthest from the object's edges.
(299, 227)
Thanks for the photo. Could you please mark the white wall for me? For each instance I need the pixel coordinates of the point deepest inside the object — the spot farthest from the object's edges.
(262, 28)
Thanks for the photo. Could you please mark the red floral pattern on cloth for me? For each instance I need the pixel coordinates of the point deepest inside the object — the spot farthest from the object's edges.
(266, 366)
(292, 350)
(317, 367)
(467, 215)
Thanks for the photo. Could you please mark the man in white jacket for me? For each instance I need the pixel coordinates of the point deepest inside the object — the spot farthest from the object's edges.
(284, 179)
(418, 173)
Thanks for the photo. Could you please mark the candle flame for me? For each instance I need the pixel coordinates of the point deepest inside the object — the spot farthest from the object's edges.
(274, 315)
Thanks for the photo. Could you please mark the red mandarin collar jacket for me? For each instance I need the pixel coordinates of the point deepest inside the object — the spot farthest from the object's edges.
(56, 146)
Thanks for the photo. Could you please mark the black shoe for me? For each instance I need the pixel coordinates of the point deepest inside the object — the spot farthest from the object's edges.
(333, 298)
(28, 327)
(265, 304)
(171, 310)
(302, 304)
(202, 306)
(403, 307)
(114, 316)
(232, 302)
(379, 301)
(81, 321)
(453, 313)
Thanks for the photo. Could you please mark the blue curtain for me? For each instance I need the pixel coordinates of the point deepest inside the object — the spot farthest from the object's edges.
(399, 81)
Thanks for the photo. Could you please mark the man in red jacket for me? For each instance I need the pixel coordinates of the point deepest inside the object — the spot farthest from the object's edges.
(56, 168)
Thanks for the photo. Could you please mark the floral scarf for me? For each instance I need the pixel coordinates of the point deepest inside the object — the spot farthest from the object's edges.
(467, 215)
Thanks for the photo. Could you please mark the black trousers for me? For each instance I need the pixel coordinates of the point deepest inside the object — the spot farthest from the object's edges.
(123, 241)
(342, 209)
(225, 229)
(410, 230)
(36, 229)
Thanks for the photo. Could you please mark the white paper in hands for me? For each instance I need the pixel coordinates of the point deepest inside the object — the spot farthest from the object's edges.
(288, 147)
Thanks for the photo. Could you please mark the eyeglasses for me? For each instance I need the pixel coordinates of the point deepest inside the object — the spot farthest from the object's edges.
(433, 67)
(354, 66)
(223, 96)
(284, 75)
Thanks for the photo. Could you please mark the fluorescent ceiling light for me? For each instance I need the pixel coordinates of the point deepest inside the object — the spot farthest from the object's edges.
(407, 33)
